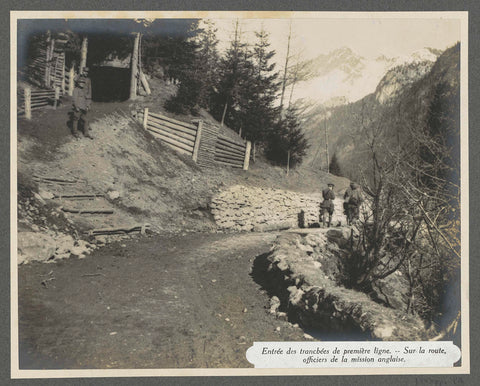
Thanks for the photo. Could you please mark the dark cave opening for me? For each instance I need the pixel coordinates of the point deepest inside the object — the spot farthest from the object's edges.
(110, 84)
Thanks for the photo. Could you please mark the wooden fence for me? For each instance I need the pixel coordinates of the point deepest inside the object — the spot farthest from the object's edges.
(28, 100)
(231, 153)
(200, 141)
(46, 70)
(181, 136)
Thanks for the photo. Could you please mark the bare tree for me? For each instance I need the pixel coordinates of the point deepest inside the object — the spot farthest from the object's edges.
(285, 69)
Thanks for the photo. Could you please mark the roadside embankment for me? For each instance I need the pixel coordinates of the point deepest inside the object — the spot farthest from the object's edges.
(302, 271)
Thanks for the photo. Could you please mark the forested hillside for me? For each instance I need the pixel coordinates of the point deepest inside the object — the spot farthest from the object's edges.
(414, 103)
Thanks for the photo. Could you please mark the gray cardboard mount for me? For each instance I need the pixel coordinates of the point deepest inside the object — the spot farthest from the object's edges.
(325, 5)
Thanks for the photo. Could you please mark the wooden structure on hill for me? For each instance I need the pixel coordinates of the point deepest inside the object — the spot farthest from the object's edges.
(47, 68)
(199, 140)
(49, 77)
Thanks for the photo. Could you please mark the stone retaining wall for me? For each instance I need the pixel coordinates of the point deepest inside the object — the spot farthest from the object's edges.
(244, 208)
(301, 270)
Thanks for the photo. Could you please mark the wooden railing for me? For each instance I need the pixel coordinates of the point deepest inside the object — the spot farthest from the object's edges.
(202, 142)
(28, 100)
(181, 136)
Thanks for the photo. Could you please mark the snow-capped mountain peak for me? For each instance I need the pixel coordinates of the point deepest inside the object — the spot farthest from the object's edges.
(344, 75)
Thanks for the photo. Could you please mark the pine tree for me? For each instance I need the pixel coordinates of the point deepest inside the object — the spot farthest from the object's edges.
(262, 93)
(197, 81)
(233, 74)
(206, 62)
(287, 141)
(182, 65)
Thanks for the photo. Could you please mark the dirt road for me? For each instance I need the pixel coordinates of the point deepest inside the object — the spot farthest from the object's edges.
(152, 302)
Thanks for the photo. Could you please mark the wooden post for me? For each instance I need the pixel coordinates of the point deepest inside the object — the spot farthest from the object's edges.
(51, 68)
(223, 115)
(326, 143)
(134, 68)
(145, 118)
(47, 61)
(28, 102)
(71, 81)
(57, 97)
(63, 75)
(246, 160)
(145, 83)
(197, 140)
(83, 59)
(288, 161)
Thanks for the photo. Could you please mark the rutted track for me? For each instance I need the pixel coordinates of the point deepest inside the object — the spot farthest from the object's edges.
(151, 302)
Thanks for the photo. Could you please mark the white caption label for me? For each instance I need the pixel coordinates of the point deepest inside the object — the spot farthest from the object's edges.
(352, 354)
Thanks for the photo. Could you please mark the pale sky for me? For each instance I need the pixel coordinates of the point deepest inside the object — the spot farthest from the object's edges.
(369, 37)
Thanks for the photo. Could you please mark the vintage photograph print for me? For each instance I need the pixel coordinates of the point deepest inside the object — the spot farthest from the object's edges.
(230, 193)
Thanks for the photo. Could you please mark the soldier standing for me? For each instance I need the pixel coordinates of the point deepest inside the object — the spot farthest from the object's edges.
(352, 201)
(327, 205)
(82, 99)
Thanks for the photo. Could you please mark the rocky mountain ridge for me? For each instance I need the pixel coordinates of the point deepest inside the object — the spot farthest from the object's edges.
(344, 76)
(345, 124)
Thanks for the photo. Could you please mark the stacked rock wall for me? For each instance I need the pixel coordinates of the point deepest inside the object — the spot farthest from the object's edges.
(244, 208)
(302, 271)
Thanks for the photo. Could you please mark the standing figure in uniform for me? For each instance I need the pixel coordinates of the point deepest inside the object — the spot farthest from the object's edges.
(327, 205)
(82, 99)
(352, 201)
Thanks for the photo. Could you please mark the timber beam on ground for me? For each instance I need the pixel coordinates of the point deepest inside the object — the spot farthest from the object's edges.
(56, 179)
(120, 230)
(77, 196)
(87, 211)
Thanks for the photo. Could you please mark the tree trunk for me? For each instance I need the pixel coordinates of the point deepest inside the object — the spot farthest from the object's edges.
(326, 144)
(134, 68)
(83, 59)
(284, 82)
(223, 115)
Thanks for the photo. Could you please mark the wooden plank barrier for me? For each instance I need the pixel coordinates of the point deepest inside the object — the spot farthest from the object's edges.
(180, 136)
(229, 152)
(206, 149)
(199, 140)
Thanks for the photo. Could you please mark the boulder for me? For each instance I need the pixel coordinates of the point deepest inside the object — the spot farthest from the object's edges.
(45, 195)
(274, 304)
(65, 244)
(34, 246)
(39, 198)
(113, 194)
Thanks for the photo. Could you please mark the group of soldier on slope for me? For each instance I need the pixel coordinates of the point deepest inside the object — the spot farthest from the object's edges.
(352, 199)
